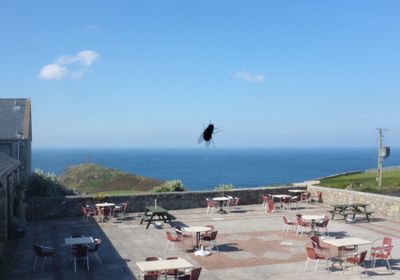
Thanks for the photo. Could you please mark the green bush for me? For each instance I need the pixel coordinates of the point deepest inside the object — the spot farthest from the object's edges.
(46, 184)
(170, 186)
(224, 187)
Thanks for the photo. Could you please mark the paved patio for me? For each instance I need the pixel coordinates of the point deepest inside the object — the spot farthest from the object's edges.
(251, 246)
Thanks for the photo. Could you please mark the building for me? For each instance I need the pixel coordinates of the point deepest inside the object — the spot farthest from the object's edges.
(16, 133)
(15, 162)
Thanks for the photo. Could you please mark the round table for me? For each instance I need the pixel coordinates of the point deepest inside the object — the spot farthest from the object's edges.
(312, 218)
(197, 230)
(221, 201)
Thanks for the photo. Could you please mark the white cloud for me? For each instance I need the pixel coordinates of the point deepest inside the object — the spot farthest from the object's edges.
(53, 72)
(87, 57)
(57, 71)
(248, 77)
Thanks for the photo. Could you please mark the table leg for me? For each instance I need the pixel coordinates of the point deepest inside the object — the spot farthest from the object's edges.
(197, 239)
(150, 220)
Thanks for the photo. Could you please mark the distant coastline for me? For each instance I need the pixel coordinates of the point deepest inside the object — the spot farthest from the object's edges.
(203, 169)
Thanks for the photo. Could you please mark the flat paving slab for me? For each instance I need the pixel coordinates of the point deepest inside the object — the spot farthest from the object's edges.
(250, 242)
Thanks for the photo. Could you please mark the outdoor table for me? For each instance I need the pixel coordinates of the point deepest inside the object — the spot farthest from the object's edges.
(155, 213)
(313, 218)
(350, 209)
(164, 265)
(197, 230)
(79, 240)
(297, 191)
(281, 196)
(105, 205)
(221, 200)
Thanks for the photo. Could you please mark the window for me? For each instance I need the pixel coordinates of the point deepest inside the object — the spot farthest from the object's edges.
(6, 149)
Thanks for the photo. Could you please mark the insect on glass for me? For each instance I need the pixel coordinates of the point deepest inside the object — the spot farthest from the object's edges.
(207, 135)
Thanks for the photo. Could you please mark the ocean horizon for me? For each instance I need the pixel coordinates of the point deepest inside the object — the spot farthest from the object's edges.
(204, 169)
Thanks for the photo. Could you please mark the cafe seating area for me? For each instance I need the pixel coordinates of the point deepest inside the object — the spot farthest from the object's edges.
(158, 243)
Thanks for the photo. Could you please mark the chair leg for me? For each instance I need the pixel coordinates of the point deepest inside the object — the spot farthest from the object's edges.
(316, 265)
(98, 258)
(34, 263)
(390, 268)
(308, 259)
(44, 262)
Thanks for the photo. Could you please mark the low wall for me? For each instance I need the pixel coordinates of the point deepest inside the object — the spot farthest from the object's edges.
(381, 204)
(55, 207)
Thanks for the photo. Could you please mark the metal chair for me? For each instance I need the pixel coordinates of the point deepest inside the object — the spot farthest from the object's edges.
(94, 250)
(42, 252)
(312, 255)
(81, 253)
(211, 239)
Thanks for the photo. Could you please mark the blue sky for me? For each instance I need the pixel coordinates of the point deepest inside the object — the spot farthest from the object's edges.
(152, 73)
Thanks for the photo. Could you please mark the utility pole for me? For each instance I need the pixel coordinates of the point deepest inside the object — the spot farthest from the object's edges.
(381, 155)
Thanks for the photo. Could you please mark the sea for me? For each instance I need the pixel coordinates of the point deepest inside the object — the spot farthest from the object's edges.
(204, 169)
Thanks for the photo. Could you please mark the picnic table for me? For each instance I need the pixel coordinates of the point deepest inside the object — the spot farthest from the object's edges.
(350, 209)
(155, 213)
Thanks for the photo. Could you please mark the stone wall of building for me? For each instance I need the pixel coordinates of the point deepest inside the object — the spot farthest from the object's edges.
(3, 210)
(47, 208)
(381, 204)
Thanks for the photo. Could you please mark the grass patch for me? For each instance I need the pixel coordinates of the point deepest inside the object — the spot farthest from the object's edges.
(366, 182)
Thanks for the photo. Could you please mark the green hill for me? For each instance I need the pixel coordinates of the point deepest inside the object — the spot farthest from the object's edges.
(93, 178)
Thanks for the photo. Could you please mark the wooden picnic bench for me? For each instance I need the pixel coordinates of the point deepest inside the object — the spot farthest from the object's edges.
(158, 213)
(351, 209)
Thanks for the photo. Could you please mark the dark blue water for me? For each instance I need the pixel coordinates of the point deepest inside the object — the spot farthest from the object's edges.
(202, 169)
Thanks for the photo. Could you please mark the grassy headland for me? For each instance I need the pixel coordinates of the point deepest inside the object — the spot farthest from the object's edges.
(366, 182)
(92, 178)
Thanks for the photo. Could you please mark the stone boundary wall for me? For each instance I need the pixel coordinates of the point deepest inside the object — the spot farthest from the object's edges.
(55, 207)
(384, 205)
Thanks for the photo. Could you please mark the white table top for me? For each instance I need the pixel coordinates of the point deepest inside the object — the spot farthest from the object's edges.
(105, 204)
(79, 240)
(313, 217)
(297, 191)
(197, 229)
(163, 265)
(281, 195)
(347, 241)
(221, 198)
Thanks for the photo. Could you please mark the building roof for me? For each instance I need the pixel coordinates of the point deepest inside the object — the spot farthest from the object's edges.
(15, 119)
(7, 164)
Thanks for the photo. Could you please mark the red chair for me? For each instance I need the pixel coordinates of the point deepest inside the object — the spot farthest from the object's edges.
(94, 250)
(287, 224)
(88, 212)
(322, 226)
(81, 253)
(285, 202)
(120, 209)
(383, 253)
(171, 241)
(303, 225)
(295, 200)
(211, 204)
(173, 272)
(152, 273)
(317, 197)
(312, 255)
(318, 248)
(211, 239)
(42, 252)
(271, 206)
(356, 261)
(194, 275)
(265, 199)
(207, 233)
(306, 196)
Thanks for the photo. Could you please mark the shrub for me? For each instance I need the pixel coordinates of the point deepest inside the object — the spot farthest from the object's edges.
(224, 187)
(170, 186)
(43, 183)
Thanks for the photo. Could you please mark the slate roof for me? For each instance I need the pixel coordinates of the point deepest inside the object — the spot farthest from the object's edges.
(7, 164)
(15, 119)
